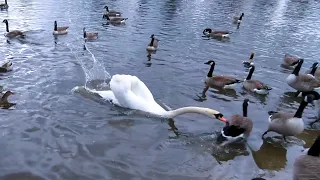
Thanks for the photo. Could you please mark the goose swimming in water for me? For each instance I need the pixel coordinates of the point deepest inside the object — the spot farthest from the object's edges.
(215, 34)
(218, 81)
(111, 13)
(290, 61)
(6, 66)
(13, 33)
(4, 103)
(288, 124)
(130, 92)
(255, 85)
(89, 36)
(59, 30)
(153, 45)
(302, 82)
(240, 126)
(115, 20)
(5, 5)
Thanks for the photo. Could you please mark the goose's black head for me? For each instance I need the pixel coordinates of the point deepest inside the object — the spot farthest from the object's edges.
(251, 55)
(206, 31)
(152, 36)
(106, 7)
(246, 102)
(314, 65)
(309, 98)
(211, 62)
(5, 21)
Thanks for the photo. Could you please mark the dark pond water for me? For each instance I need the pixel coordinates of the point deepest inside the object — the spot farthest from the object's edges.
(60, 131)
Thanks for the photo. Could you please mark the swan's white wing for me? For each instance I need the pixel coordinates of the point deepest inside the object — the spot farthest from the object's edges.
(134, 94)
(108, 95)
(140, 89)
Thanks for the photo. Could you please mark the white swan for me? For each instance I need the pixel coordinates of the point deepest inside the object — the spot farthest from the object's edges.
(130, 92)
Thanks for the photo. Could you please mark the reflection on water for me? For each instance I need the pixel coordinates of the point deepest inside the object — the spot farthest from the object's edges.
(59, 130)
(270, 156)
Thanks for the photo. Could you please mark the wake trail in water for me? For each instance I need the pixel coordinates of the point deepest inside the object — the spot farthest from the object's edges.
(94, 70)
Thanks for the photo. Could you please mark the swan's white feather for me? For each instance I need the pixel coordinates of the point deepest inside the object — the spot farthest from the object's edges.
(130, 92)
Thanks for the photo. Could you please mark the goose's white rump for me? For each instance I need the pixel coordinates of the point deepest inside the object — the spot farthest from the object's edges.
(129, 92)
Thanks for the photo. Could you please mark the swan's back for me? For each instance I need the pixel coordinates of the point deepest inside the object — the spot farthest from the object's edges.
(132, 93)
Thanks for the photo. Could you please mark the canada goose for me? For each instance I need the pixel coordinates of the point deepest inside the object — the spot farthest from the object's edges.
(13, 33)
(314, 71)
(216, 34)
(288, 124)
(255, 85)
(316, 102)
(60, 30)
(115, 20)
(238, 20)
(5, 5)
(6, 66)
(4, 100)
(239, 127)
(249, 62)
(311, 72)
(111, 13)
(89, 36)
(153, 45)
(220, 81)
(306, 167)
(290, 60)
(302, 82)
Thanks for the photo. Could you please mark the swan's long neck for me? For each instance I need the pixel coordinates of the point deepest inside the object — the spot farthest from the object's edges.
(184, 110)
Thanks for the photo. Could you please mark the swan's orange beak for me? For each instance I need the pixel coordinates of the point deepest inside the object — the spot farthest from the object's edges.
(223, 119)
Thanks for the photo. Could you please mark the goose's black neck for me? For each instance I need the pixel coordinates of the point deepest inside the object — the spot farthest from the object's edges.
(211, 70)
(251, 56)
(152, 40)
(84, 34)
(313, 70)
(241, 17)
(250, 73)
(315, 148)
(245, 109)
(5, 2)
(297, 69)
(299, 112)
(7, 26)
(55, 26)
(5, 97)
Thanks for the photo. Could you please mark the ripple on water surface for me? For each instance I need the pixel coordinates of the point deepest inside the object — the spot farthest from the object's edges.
(59, 130)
